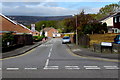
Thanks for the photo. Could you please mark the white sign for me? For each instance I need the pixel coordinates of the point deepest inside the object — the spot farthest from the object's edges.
(106, 44)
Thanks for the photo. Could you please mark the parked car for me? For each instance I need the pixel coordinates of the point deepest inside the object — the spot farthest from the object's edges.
(117, 39)
(66, 39)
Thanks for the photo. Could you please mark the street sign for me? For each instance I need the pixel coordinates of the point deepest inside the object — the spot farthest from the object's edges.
(106, 44)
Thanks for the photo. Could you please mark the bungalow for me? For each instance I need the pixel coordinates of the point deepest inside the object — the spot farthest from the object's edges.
(113, 22)
(50, 32)
(8, 25)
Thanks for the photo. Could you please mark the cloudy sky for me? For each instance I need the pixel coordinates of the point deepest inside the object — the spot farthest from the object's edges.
(50, 8)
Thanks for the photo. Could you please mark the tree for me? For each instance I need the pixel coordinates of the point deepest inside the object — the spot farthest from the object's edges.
(109, 9)
(39, 25)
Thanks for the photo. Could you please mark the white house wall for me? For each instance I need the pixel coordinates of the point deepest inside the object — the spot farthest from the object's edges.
(56, 35)
(46, 34)
(109, 21)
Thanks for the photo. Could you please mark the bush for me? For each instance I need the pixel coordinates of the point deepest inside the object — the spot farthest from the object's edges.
(38, 38)
(7, 40)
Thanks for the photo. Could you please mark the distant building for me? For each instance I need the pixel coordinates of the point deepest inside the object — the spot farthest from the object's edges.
(50, 32)
(34, 32)
(113, 22)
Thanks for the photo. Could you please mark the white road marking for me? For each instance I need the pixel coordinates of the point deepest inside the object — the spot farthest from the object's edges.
(30, 68)
(12, 68)
(90, 66)
(0, 68)
(47, 62)
(72, 67)
(45, 45)
(49, 54)
(51, 50)
(111, 67)
(52, 66)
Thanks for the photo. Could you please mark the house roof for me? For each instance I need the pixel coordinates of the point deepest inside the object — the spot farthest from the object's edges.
(48, 28)
(14, 22)
(109, 16)
(8, 19)
(106, 17)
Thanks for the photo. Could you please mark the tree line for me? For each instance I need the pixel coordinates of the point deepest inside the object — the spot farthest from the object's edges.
(84, 23)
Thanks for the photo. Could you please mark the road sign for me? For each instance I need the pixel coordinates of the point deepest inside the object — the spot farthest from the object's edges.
(106, 44)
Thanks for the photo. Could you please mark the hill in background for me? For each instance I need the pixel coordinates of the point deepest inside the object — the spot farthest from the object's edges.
(27, 20)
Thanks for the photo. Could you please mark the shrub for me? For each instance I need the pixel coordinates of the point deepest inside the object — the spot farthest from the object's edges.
(38, 38)
(7, 39)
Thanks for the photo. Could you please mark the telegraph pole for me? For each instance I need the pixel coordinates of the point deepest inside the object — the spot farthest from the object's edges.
(76, 32)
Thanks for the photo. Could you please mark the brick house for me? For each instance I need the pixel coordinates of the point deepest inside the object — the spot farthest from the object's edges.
(7, 25)
(50, 32)
(113, 22)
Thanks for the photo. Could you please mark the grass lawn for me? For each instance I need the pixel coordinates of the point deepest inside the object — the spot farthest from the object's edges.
(98, 38)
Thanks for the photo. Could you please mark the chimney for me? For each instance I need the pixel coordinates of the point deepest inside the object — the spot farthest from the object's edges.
(33, 27)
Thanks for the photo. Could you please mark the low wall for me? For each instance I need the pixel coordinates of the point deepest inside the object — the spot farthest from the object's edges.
(114, 49)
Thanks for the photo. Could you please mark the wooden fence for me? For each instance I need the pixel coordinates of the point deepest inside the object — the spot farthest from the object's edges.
(23, 39)
(84, 40)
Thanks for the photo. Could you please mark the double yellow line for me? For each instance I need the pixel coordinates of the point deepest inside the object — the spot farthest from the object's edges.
(93, 58)
(19, 55)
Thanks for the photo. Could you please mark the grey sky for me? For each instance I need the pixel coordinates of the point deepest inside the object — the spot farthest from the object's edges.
(50, 8)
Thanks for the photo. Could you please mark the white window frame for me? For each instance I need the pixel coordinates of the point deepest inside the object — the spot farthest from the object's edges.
(115, 19)
(119, 18)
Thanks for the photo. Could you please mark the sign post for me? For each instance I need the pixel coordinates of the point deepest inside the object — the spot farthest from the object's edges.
(106, 45)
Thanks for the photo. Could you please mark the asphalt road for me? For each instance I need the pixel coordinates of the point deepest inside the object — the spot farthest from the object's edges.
(54, 60)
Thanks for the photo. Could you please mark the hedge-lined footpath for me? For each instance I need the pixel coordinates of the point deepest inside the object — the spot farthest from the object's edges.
(21, 50)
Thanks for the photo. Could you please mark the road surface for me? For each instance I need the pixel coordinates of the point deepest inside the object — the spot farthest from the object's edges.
(54, 60)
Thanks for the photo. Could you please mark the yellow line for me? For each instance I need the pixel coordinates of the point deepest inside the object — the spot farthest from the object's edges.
(19, 55)
(88, 57)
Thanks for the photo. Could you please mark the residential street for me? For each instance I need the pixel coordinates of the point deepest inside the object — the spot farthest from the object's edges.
(55, 60)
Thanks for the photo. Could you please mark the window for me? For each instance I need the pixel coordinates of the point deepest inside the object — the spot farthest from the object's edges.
(115, 19)
(119, 18)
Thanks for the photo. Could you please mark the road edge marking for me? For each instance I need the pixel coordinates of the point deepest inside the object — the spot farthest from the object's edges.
(19, 55)
(93, 58)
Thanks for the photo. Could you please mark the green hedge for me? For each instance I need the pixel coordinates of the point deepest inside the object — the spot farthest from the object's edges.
(38, 38)
(7, 37)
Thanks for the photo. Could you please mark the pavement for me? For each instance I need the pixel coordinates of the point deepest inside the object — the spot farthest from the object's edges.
(88, 52)
(55, 60)
(21, 50)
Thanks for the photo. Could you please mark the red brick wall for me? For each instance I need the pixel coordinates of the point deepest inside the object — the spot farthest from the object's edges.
(49, 34)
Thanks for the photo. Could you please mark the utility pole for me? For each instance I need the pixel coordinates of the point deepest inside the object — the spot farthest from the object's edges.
(76, 32)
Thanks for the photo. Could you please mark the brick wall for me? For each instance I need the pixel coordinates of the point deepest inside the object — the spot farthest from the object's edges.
(50, 32)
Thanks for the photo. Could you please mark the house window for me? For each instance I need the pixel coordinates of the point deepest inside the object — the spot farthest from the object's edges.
(119, 18)
(115, 19)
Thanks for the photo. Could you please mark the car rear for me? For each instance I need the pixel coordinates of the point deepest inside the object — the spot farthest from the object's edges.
(117, 39)
(66, 39)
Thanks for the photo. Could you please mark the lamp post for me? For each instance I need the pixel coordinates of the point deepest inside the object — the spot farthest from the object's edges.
(76, 31)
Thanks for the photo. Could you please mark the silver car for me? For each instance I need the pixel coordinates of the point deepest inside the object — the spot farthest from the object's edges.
(66, 39)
